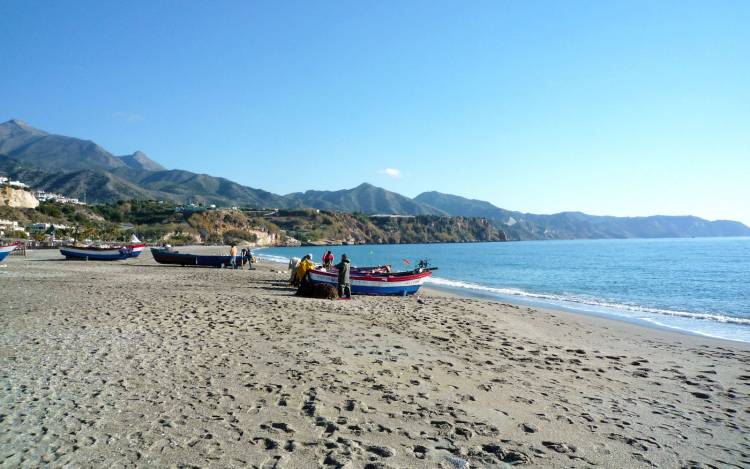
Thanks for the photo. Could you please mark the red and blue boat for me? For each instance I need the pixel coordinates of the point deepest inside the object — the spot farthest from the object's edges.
(103, 253)
(6, 250)
(371, 281)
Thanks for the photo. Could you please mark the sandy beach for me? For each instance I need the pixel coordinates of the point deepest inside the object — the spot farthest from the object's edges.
(132, 363)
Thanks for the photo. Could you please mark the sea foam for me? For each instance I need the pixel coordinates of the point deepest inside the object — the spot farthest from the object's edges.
(578, 303)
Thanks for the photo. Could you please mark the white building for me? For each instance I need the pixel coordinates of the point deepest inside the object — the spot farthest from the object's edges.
(36, 227)
(43, 196)
(68, 200)
(9, 228)
(39, 227)
(390, 215)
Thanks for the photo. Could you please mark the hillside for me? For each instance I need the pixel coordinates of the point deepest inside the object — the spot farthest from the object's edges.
(92, 185)
(53, 153)
(455, 205)
(335, 227)
(158, 222)
(577, 225)
(141, 161)
(364, 198)
(82, 169)
(179, 185)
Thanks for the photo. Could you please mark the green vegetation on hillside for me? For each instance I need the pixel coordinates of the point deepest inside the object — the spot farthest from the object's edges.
(164, 221)
(80, 168)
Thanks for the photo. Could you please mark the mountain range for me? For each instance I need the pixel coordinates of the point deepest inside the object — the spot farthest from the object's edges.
(81, 168)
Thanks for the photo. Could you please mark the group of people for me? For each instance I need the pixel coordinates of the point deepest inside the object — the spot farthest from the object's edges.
(245, 257)
(305, 265)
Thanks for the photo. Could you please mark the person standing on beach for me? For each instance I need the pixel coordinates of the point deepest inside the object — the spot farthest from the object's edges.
(233, 256)
(345, 282)
(305, 265)
(328, 259)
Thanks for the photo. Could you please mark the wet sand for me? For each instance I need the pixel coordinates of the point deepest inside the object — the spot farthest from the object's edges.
(136, 364)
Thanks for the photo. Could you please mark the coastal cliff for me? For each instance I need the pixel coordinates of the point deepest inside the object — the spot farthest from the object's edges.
(18, 198)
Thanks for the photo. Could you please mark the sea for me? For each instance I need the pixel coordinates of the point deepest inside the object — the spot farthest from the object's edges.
(692, 285)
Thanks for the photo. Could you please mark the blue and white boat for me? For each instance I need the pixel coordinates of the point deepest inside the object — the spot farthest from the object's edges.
(100, 253)
(6, 250)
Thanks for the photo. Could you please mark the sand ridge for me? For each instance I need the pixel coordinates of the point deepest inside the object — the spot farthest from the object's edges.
(136, 364)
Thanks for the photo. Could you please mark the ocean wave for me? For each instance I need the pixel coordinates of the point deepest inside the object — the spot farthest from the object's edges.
(270, 257)
(694, 331)
(578, 302)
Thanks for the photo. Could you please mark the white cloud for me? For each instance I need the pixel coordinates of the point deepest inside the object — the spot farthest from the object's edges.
(127, 116)
(392, 172)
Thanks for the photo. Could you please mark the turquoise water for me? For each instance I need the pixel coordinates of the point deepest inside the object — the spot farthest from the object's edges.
(699, 285)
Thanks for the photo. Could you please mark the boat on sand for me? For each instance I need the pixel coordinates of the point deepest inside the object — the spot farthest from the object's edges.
(367, 281)
(103, 253)
(110, 252)
(6, 250)
(168, 256)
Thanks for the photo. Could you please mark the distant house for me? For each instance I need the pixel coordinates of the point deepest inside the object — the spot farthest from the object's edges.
(390, 215)
(41, 227)
(9, 228)
(190, 208)
(43, 196)
(68, 200)
(37, 227)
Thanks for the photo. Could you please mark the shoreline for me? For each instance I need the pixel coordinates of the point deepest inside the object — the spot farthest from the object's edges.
(603, 312)
(600, 320)
(580, 312)
(632, 327)
(134, 363)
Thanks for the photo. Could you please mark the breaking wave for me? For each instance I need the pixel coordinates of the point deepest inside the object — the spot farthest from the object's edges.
(270, 257)
(579, 303)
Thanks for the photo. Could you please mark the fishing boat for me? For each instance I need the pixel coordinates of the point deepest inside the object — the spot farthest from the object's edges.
(377, 269)
(6, 250)
(168, 256)
(104, 252)
(372, 283)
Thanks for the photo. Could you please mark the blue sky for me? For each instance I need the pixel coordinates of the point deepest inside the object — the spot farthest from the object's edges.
(620, 108)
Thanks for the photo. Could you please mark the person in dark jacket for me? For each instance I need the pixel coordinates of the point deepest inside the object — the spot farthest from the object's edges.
(345, 282)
